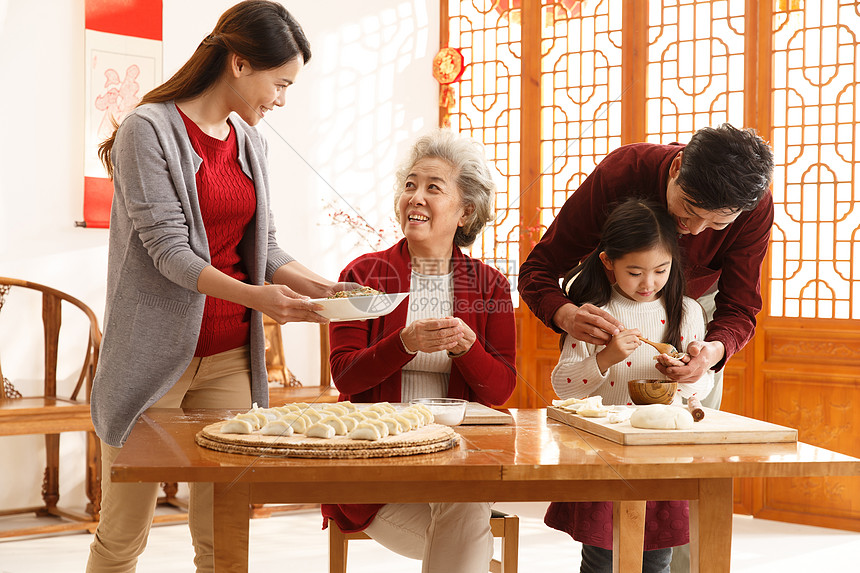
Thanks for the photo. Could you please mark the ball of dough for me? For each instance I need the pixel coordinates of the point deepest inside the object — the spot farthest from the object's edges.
(661, 417)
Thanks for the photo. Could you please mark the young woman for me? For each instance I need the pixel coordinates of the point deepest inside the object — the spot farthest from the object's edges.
(638, 251)
(453, 337)
(192, 246)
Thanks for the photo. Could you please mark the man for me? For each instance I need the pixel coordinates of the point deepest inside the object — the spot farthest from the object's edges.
(717, 189)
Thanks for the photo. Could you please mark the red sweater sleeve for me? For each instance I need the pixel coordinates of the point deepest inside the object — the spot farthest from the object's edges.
(739, 261)
(636, 170)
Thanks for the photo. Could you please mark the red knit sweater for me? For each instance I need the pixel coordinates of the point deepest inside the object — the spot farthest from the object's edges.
(227, 202)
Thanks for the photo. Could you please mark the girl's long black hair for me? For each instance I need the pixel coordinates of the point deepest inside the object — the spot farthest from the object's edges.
(634, 225)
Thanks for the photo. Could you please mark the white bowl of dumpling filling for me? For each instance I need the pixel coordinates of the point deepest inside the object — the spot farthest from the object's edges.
(446, 411)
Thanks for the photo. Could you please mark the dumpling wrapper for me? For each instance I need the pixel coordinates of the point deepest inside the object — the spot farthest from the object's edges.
(662, 417)
(320, 430)
(365, 431)
(235, 426)
(340, 428)
(371, 414)
(348, 405)
(277, 428)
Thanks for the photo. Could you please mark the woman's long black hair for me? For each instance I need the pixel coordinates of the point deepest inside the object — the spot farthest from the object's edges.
(634, 225)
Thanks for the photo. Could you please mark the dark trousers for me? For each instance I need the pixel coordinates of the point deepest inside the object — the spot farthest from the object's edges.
(598, 560)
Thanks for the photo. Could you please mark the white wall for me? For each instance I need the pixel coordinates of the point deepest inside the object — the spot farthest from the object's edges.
(364, 96)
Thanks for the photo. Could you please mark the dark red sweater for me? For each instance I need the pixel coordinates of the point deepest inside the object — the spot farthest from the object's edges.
(227, 202)
(367, 357)
(733, 256)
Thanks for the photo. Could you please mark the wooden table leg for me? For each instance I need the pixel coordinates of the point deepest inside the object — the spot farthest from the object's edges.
(231, 509)
(628, 536)
(711, 527)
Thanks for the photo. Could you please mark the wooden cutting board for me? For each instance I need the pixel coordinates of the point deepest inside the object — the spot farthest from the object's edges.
(716, 428)
(477, 414)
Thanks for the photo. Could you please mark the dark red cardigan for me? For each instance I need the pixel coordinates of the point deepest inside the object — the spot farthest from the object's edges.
(733, 256)
(366, 357)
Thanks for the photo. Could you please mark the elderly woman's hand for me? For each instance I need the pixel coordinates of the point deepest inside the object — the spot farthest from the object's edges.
(434, 334)
(464, 344)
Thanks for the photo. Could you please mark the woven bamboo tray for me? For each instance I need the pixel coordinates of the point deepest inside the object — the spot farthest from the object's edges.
(425, 440)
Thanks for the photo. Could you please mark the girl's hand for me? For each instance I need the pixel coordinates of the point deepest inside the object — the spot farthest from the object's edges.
(465, 343)
(283, 305)
(620, 347)
(433, 334)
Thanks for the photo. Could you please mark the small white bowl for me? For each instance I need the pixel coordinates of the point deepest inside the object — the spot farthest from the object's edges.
(446, 411)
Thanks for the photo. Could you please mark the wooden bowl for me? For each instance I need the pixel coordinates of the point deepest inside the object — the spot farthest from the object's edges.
(652, 391)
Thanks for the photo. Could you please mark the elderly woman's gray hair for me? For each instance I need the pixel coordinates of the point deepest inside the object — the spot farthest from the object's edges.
(474, 179)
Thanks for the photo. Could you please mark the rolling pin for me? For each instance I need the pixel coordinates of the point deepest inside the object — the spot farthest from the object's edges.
(695, 408)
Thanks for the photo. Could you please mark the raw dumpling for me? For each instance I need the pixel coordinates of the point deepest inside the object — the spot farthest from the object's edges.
(394, 425)
(299, 422)
(415, 420)
(277, 428)
(235, 426)
(661, 417)
(365, 431)
(319, 430)
(381, 426)
(312, 414)
(336, 409)
(424, 411)
(349, 422)
(256, 420)
(339, 426)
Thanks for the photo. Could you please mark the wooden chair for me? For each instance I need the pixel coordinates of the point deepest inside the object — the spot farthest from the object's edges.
(506, 527)
(54, 412)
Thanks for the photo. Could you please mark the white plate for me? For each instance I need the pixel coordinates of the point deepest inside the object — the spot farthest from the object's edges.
(359, 307)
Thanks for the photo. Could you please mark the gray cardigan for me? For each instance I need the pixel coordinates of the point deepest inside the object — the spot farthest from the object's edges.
(158, 248)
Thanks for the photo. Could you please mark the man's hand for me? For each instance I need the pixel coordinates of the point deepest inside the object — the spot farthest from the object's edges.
(702, 355)
(587, 323)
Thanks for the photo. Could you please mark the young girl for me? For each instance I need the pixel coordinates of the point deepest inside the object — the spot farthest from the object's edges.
(192, 246)
(639, 251)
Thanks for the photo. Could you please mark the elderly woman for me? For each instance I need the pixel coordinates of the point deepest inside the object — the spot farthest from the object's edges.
(453, 337)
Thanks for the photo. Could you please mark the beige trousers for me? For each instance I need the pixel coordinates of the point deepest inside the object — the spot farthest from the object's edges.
(219, 381)
(447, 537)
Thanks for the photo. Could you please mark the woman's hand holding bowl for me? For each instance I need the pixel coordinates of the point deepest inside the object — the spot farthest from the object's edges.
(284, 305)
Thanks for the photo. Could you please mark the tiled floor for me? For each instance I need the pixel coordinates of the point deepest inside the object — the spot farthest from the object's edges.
(294, 542)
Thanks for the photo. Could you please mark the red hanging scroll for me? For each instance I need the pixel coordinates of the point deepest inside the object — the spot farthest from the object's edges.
(123, 51)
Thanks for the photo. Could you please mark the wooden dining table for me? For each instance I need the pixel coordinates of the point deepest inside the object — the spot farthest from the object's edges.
(532, 459)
